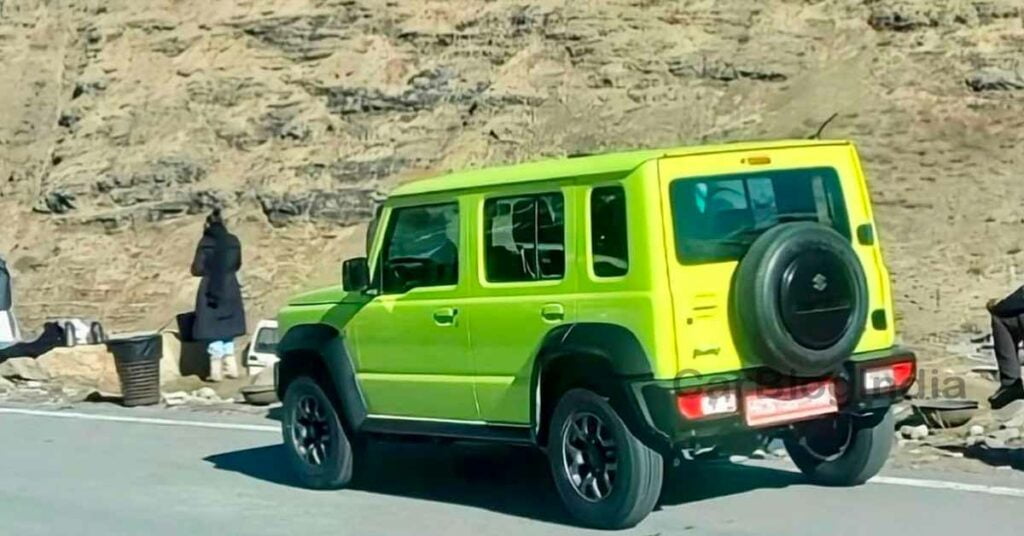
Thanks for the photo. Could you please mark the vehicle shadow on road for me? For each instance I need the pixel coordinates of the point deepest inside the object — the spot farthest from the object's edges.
(702, 481)
(508, 480)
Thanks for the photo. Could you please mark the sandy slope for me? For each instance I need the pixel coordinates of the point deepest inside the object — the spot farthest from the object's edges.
(120, 121)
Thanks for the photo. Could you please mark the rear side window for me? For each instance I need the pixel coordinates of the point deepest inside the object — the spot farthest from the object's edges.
(608, 231)
(717, 218)
(524, 238)
(422, 248)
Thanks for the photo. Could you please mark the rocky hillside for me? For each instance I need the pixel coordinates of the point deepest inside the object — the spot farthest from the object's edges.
(122, 121)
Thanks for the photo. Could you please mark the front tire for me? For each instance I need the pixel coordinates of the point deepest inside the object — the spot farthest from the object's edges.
(842, 451)
(605, 476)
(317, 448)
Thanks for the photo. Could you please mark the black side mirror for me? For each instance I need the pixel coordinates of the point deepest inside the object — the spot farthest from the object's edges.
(355, 275)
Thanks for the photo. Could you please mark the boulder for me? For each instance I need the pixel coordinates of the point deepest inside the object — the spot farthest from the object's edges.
(182, 358)
(93, 366)
(995, 79)
(1011, 413)
(994, 443)
(1005, 435)
(170, 363)
(207, 394)
(25, 368)
(915, 433)
(177, 398)
(86, 365)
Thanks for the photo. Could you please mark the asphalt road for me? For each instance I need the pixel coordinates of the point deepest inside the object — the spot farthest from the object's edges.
(85, 476)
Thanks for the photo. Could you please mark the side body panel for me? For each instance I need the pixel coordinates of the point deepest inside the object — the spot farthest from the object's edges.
(631, 301)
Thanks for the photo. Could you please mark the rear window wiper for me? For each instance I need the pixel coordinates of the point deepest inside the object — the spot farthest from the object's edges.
(729, 241)
(796, 216)
(775, 220)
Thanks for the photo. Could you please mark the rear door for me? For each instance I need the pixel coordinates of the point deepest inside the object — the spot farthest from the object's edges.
(711, 201)
(524, 288)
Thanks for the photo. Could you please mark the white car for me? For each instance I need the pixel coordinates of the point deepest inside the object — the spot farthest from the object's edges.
(262, 347)
(9, 332)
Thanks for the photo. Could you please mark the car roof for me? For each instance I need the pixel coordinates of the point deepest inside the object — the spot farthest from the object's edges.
(610, 163)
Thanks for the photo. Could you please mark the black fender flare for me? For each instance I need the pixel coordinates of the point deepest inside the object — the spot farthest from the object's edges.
(615, 346)
(323, 343)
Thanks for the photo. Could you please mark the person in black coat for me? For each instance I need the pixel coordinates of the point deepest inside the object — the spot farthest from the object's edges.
(220, 313)
(1007, 333)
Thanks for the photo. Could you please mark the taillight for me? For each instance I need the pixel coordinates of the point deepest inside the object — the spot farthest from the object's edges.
(708, 402)
(889, 377)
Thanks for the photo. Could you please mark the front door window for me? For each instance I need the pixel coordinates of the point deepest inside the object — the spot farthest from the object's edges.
(422, 250)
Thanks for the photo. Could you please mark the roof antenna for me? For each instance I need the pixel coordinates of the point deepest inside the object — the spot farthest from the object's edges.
(817, 135)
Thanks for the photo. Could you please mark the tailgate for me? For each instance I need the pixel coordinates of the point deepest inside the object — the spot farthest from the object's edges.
(750, 184)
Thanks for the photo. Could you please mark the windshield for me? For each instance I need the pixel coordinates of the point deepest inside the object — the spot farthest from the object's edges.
(717, 218)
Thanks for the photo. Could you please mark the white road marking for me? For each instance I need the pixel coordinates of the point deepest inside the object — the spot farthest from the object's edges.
(943, 484)
(911, 482)
(888, 480)
(142, 420)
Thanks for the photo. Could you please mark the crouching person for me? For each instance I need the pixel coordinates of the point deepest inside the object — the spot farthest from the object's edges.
(220, 313)
(1007, 333)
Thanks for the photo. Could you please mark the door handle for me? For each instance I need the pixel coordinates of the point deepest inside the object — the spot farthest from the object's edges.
(553, 312)
(445, 316)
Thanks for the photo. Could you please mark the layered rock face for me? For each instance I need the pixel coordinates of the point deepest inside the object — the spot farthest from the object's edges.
(123, 122)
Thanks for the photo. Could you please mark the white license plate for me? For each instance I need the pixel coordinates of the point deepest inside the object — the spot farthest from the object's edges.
(767, 406)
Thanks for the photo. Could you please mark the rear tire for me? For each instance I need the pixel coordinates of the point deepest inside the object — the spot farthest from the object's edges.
(606, 477)
(318, 449)
(862, 458)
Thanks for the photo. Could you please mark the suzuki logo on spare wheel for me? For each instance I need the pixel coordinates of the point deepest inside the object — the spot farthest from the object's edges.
(820, 282)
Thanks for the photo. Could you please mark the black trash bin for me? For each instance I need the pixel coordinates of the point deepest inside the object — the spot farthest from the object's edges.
(138, 366)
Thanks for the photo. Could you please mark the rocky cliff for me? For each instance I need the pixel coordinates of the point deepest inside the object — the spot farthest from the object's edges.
(122, 121)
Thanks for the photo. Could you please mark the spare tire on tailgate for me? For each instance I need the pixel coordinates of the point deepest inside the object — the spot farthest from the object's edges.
(801, 299)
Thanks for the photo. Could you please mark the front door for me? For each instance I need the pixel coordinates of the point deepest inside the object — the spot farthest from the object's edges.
(412, 341)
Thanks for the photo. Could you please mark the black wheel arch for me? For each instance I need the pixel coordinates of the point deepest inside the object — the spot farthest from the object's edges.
(319, 350)
(602, 357)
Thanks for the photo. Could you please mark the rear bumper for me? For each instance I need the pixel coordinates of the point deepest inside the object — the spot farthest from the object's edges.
(656, 419)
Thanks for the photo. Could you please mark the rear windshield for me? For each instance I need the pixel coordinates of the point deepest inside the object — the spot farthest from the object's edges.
(717, 218)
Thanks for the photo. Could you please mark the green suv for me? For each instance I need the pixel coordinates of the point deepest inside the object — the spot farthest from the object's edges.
(624, 312)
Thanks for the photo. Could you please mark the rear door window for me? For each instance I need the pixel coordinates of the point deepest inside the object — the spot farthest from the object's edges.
(524, 238)
(717, 218)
